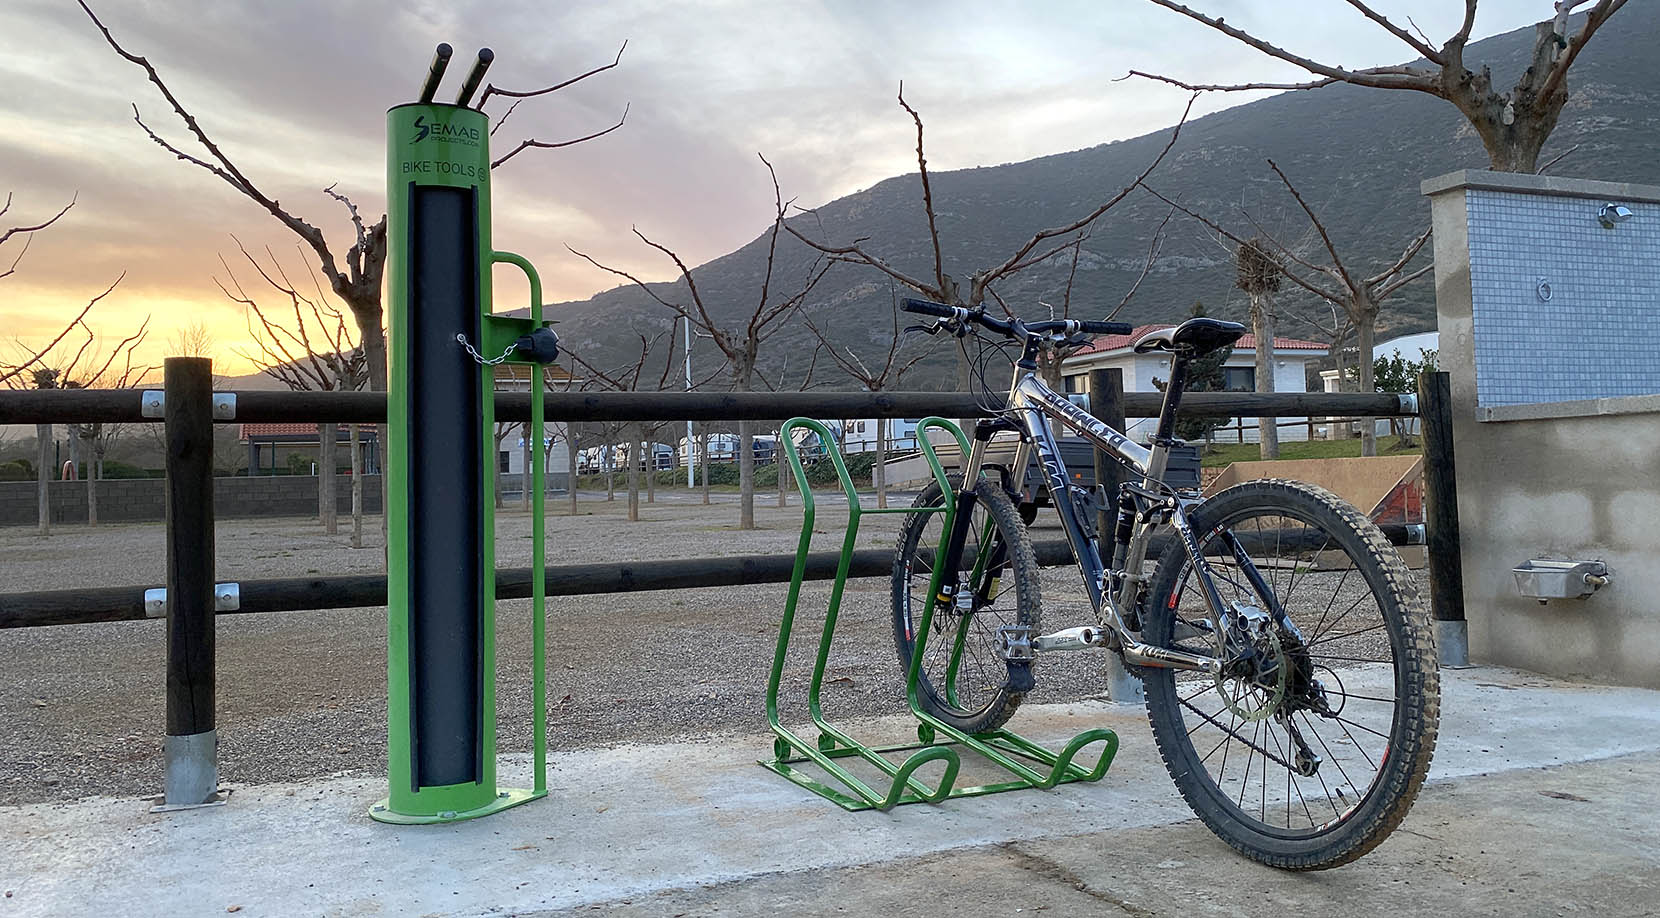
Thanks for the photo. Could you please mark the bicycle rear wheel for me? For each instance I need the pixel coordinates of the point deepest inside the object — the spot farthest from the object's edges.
(1313, 744)
(964, 681)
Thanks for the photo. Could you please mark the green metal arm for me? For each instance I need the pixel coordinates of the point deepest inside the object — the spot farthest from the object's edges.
(834, 744)
(538, 533)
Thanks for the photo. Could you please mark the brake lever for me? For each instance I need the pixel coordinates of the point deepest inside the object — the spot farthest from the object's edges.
(950, 326)
(911, 331)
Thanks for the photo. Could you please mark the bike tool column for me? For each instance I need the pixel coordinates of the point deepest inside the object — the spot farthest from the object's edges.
(440, 412)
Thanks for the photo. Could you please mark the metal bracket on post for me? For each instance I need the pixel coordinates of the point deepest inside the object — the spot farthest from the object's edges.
(152, 403)
(224, 406)
(227, 597)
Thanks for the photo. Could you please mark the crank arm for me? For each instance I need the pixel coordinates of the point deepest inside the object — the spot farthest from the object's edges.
(1082, 638)
(1141, 654)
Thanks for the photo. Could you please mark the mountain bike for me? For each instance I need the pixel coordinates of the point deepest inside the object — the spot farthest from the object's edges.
(1285, 650)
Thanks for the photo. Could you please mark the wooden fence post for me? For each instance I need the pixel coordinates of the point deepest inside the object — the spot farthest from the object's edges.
(1106, 402)
(192, 776)
(1446, 570)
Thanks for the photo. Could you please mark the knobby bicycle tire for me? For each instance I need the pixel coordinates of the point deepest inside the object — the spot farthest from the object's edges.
(978, 694)
(1374, 656)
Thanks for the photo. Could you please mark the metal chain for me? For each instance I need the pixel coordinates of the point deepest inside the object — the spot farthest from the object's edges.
(486, 361)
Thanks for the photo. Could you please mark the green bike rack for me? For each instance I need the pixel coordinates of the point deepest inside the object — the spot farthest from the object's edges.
(441, 595)
(1030, 764)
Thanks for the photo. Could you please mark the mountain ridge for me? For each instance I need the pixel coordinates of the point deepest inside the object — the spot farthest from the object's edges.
(1357, 154)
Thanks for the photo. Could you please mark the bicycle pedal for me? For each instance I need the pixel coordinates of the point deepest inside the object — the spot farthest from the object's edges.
(1014, 643)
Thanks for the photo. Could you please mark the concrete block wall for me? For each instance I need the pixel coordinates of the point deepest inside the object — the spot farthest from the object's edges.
(1556, 420)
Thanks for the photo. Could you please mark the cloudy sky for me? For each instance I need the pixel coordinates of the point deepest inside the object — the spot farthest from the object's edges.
(295, 92)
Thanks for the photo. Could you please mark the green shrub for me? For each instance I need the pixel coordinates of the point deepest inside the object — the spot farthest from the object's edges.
(17, 470)
(114, 469)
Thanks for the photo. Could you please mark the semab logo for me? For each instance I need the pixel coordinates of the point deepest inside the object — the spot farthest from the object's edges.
(448, 133)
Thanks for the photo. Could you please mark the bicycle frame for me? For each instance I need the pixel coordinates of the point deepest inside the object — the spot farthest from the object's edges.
(1030, 402)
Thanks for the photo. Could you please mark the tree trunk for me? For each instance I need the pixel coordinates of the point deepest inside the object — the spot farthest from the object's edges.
(328, 504)
(43, 475)
(366, 310)
(573, 450)
(525, 483)
(1262, 326)
(91, 486)
(879, 475)
(746, 458)
(650, 450)
(1364, 332)
(357, 486)
(609, 453)
(703, 464)
(633, 458)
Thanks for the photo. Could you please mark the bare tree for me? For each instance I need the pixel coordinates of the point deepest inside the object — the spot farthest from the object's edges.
(30, 358)
(739, 344)
(804, 385)
(92, 367)
(875, 377)
(1360, 296)
(942, 287)
(633, 377)
(312, 349)
(1512, 125)
(1258, 275)
(29, 369)
(358, 284)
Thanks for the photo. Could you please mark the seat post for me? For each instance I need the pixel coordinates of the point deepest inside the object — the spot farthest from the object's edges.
(1166, 432)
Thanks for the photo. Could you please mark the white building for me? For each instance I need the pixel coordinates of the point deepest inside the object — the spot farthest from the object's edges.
(1290, 358)
(510, 459)
(859, 434)
(1410, 348)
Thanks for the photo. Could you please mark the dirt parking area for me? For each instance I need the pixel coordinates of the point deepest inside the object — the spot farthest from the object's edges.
(303, 694)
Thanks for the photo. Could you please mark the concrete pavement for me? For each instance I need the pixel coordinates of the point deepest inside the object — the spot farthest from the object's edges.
(1541, 801)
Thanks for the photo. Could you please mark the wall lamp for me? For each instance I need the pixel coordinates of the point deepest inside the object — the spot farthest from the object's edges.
(1610, 214)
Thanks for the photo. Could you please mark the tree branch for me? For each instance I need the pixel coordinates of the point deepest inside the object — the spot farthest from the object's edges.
(1381, 77)
(1593, 20)
(1337, 262)
(226, 169)
(38, 357)
(927, 190)
(553, 145)
(981, 280)
(1431, 54)
(492, 89)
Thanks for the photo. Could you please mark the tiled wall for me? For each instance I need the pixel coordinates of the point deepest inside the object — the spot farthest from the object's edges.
(1598, 334)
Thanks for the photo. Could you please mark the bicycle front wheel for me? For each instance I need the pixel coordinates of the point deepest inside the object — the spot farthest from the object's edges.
(1312, 744)
(964, 681)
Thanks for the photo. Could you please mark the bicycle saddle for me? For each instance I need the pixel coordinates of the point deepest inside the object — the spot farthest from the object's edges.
(1195, 337)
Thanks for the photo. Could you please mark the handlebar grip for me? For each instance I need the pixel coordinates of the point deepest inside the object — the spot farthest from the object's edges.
(1107, 328)
(927, 308)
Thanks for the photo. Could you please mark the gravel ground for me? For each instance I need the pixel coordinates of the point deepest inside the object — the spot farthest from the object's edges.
(303, 694)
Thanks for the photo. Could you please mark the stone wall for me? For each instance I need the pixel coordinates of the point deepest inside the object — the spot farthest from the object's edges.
(1556, 420)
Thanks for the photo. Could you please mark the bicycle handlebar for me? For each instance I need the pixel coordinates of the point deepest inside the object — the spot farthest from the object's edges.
(1014, 328)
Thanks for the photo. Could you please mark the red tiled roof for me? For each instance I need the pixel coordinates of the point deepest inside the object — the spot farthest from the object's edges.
(1106, 343)
(272, 430)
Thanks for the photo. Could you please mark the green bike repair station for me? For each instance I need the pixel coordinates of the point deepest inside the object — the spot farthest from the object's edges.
(441, 557)
(441, 589)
